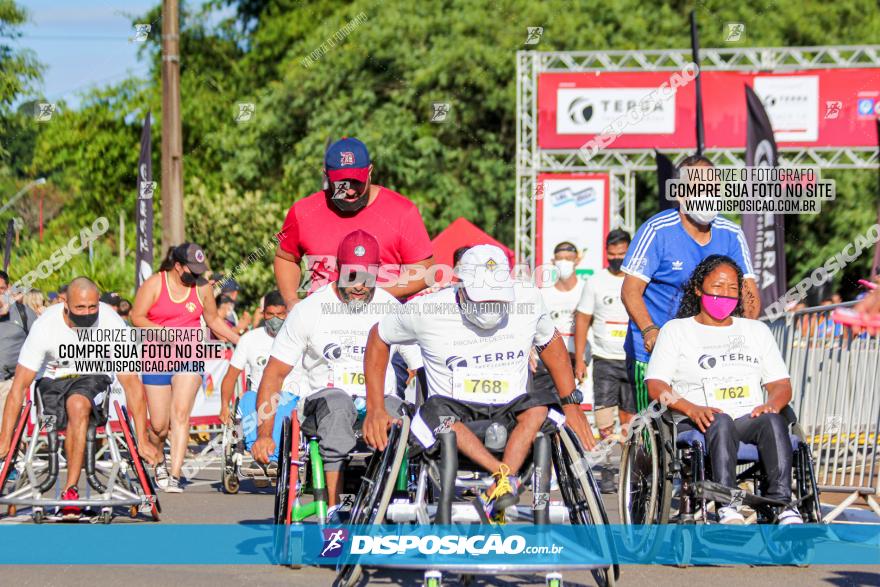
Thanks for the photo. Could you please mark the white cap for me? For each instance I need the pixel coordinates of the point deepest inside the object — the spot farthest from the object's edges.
(485, 273)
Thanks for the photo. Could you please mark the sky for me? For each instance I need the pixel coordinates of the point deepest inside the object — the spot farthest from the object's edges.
(84, 43)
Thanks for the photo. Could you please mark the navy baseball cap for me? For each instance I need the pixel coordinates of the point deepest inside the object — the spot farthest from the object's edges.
(347, 158)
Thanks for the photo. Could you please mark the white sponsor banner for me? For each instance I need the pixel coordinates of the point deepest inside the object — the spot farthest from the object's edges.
(574, 209)
(792, 104)
(589, 111)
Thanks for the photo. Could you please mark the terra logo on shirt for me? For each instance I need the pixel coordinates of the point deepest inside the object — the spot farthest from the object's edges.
(710, 361)
(454, 362)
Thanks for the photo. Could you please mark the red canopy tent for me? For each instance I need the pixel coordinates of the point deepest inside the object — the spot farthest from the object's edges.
(462, 233)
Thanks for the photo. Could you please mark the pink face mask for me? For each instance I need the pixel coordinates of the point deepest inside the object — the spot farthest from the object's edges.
(719, 307)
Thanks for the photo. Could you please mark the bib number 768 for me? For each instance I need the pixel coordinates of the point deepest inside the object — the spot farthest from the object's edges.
(486, 386)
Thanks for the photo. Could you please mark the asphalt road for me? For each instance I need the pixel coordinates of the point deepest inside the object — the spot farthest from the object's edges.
(204, 502)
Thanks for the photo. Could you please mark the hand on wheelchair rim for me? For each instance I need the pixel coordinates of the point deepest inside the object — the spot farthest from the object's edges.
(575, 419)
(376, 427)
(263, 449)
(149, 452)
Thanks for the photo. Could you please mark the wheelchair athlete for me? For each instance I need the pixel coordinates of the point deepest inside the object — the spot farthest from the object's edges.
(327, 333)
(73, 399)
(475, 340)
(717, 361)
(251, 355)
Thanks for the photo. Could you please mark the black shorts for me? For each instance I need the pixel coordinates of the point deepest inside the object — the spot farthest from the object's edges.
(54, 394)
(436, 410)
(611, 385)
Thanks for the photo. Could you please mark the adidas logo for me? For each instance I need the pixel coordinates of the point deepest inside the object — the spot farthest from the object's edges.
(677, 265)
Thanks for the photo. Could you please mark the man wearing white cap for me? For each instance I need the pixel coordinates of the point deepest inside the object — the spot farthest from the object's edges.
(475, 339)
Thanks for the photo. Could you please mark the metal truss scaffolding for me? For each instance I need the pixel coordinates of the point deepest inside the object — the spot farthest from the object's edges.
(621, 164)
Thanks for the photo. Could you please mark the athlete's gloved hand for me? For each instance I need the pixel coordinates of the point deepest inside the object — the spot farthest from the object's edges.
(263, 449)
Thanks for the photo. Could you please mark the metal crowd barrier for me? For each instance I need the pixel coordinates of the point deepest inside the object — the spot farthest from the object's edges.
(835, 376)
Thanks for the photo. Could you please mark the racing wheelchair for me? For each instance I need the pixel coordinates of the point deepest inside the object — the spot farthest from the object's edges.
(114, 480)
(439, 487)
(236, 437)
(664, 477)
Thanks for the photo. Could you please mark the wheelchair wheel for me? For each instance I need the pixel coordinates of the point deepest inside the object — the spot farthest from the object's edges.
(807, 490)
(581, 495)
(285, 488)
(134, 459)
(640, 471)
(375, 492)
(12, 455)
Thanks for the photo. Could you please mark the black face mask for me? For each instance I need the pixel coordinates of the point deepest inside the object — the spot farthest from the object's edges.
(82, 320)
(615, 264)
(188, 278)
(336, 195)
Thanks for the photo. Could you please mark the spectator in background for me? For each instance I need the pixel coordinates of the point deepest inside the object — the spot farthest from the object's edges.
(124, 310)
(664, 253)
(226, 310)
(230, 288)
(34, 300)
(177, 296)
(16, 319)
(600, 307)
(561, 299)
(112, 299)
(349, 201)
(62, 295)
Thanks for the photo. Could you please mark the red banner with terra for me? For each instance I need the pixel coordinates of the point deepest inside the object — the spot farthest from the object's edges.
(818, 108)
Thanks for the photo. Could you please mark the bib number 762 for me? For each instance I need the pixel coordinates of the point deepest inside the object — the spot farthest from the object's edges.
(734, 392)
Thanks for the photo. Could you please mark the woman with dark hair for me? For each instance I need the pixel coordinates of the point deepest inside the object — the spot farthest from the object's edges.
(178, 296)
(719, 364)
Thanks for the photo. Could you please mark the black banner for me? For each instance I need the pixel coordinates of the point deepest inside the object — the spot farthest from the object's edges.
(7, 251)
(765, 233)
(144, 209)
(665, 170)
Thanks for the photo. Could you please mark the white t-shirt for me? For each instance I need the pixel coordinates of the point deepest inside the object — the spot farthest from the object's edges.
(601, 299)
(467, 362)
(561, 305)
(704, 363)
(40, 350)
(251, 355)
(330, 341)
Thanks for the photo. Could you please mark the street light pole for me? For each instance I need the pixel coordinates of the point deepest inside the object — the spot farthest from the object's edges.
(172, 142)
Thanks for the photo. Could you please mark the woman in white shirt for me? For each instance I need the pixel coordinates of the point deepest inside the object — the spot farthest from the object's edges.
(717, 362)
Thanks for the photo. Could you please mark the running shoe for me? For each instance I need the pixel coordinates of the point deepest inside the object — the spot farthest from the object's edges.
(174, 485)
(503, 494)
(161, 474)
(789, 516)
(70, 512)
(730, 515)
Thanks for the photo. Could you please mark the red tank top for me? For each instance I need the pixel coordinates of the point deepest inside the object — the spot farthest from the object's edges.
(169, 312)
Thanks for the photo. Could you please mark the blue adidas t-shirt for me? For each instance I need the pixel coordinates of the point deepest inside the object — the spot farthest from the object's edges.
(664, 255)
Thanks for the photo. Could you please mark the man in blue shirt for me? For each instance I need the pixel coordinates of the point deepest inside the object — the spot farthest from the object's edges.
(662, 256)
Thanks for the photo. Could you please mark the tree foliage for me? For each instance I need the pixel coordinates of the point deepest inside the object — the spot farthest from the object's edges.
(378, 82)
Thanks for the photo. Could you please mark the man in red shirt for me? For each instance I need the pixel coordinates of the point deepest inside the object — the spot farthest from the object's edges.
(315, 226)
